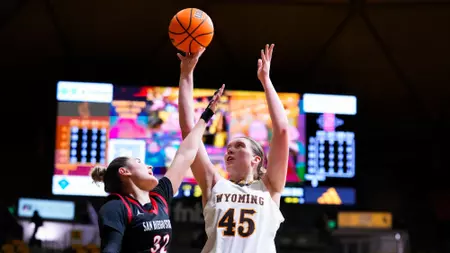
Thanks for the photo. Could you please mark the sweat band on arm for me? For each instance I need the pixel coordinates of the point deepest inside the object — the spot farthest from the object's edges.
(207, 114)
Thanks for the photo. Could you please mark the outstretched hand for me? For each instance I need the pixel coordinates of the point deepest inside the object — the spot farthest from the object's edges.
(264, 62)
(189, 61)
(216, 98)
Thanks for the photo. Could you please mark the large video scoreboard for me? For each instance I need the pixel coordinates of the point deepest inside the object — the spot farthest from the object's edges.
(97, 122)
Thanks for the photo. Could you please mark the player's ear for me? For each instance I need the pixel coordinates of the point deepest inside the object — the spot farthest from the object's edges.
(124, 171)
(256, 159)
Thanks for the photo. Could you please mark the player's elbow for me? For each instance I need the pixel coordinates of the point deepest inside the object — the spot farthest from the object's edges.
(186, 127)
(281, 131)
(186, 156)
(185, 132)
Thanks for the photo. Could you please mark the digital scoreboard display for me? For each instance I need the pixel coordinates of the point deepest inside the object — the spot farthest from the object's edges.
(97, 122)
(330, 151)
(331, 139)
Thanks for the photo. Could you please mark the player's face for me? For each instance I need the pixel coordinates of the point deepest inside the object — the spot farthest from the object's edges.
(142, 175)
(239, 158)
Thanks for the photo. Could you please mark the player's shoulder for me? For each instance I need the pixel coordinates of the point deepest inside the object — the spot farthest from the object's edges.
(259, 185)
(163, 189)
(224, 185)
(112, 204)
(222, 182)
(164, 181)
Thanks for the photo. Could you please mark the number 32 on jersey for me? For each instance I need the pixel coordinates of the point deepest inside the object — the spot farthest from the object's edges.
(245, 226)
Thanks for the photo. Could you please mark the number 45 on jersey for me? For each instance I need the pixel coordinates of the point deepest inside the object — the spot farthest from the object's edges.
(245, 226)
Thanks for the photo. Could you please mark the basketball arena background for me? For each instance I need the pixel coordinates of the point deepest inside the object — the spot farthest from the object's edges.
(388, 61)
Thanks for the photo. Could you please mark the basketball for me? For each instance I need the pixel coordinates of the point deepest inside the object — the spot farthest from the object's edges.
(191, 29)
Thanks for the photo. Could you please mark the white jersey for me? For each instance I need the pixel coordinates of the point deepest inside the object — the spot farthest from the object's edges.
(241, 219)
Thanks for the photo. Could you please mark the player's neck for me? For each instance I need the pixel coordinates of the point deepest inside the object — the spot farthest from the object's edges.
(245, 180)
(140, 195)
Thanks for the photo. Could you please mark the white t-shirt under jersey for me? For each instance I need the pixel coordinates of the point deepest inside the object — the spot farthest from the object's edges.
(241, 219)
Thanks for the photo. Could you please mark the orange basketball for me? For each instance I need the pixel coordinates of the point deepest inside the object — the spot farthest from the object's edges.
(191, 29)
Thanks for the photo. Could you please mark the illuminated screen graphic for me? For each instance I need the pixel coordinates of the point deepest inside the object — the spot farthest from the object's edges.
(330, 163)
(329, 178)
(47, 209)
(98, 122)
(331, 139)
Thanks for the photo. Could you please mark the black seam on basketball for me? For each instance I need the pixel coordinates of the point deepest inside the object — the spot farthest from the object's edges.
(195, 29)
(183, 40)
(185, 31)
(190, 18)
(182, 26)
(193, 38)
(190, 44)
(179, 22)
(190, 21)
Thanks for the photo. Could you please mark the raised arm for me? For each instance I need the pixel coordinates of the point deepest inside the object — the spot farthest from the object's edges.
(275, 177)
(185, 96)
(189, 146)
(202, 168)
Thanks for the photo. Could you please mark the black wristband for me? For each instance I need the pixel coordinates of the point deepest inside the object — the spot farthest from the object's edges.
(207, 114)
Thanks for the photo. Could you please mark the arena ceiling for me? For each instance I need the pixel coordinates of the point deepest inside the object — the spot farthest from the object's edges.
(394, 54)
(385, 51)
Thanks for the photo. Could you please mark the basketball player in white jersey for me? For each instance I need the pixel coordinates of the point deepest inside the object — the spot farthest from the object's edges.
(241, 214)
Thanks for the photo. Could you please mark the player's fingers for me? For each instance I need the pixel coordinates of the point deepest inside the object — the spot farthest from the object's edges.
(200, 52)
(266, 51)
(218, 93)
(271, 51)
(263, 56)
(214, 102)
(180, 56)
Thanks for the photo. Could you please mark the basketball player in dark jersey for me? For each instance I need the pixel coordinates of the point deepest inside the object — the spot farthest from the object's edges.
(135, 217)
